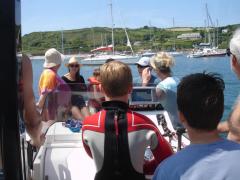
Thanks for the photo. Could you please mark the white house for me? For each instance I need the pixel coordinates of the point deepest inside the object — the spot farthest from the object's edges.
(190, 36)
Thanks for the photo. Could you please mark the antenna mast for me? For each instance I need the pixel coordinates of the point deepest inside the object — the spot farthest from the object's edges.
(112, 26)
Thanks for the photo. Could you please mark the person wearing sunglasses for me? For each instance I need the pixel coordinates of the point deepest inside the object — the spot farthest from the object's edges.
(144, 67)
(232, 125)
(77, 84)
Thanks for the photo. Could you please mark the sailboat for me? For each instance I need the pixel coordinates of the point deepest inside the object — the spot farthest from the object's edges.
(209, 49)
(108, 52)
(174, 52)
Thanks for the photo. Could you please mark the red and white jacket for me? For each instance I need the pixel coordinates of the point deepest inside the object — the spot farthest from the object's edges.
(142, 133)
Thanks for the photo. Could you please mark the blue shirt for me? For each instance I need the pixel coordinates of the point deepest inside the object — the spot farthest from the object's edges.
(215, 161)
(169, 100)
(152, 82)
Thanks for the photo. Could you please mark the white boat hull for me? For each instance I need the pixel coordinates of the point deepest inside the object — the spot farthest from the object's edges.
(102, 59)
(63, 156)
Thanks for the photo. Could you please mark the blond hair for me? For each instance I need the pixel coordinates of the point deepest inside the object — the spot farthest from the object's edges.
(116, 78)
(162, 61)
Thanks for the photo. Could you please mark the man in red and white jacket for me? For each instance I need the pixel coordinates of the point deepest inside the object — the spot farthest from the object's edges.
(116, 138)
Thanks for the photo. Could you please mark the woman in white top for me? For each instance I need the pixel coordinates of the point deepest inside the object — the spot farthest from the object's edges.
(167, 88)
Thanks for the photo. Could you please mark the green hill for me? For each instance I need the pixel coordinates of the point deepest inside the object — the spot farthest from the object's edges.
(83, 40)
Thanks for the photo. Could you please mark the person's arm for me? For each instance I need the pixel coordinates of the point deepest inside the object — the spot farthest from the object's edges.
(41, 101)
(160, 92)
(234, 123)
(32, 118)
(223, 127)
(160, 148)
(146, 76)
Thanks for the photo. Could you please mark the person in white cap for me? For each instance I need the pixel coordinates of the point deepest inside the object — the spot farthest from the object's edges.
(232, 125)
(77, 84)
(143, 67)
(49, 79)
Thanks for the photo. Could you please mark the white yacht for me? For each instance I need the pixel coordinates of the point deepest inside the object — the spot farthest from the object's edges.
(108, 52)
(207, 52)
(63, 156)
(210, 48)
(101, 58)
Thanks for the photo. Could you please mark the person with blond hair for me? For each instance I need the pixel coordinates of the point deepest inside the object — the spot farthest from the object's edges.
(167, 87)
(116, 137)
(232, 125)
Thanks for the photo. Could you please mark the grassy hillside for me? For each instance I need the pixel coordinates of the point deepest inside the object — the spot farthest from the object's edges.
(83, 40)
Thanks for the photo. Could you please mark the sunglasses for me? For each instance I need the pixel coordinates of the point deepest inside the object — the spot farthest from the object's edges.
(74, 65)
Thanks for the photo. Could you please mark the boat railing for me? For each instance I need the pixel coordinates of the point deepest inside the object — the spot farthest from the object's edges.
(58, 103)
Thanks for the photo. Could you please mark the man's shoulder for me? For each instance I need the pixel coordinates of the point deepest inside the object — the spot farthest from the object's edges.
(165, 169)
(93, 118)
(49, 73)
(94, 122)
(140, 117)
(143, 122)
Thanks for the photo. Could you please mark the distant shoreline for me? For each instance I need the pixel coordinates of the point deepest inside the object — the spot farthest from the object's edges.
(66, 56)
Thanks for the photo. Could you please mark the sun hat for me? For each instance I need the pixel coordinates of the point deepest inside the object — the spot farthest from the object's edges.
(53, 58)
(73, 60)
(143, 61)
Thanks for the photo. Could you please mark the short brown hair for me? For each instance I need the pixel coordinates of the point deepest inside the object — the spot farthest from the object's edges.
(116, 78)
(96, 72)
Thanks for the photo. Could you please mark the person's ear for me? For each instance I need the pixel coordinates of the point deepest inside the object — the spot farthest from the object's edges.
(182, 117)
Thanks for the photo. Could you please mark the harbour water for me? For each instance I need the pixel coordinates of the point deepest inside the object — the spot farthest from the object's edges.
(183, 66)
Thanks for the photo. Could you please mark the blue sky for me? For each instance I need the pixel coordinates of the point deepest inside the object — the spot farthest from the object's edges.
(49, 15)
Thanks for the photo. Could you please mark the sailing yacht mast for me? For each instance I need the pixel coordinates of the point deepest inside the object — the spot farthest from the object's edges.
(209, 21)
(112, 27)
(174, 41)
(62, 42)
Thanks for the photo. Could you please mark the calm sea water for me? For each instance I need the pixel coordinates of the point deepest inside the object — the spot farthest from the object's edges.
(183, 66)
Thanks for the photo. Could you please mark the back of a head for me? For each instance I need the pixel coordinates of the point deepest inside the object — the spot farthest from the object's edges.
(162, 61)
(96, 72)
(200, 98)
(116, 78)
(235, 45)
(109, 60)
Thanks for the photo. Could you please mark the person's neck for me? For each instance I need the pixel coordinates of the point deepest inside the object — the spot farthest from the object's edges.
(120, 98)
(53, 69)
(164, 76)
(72, 76)
(202, 137)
